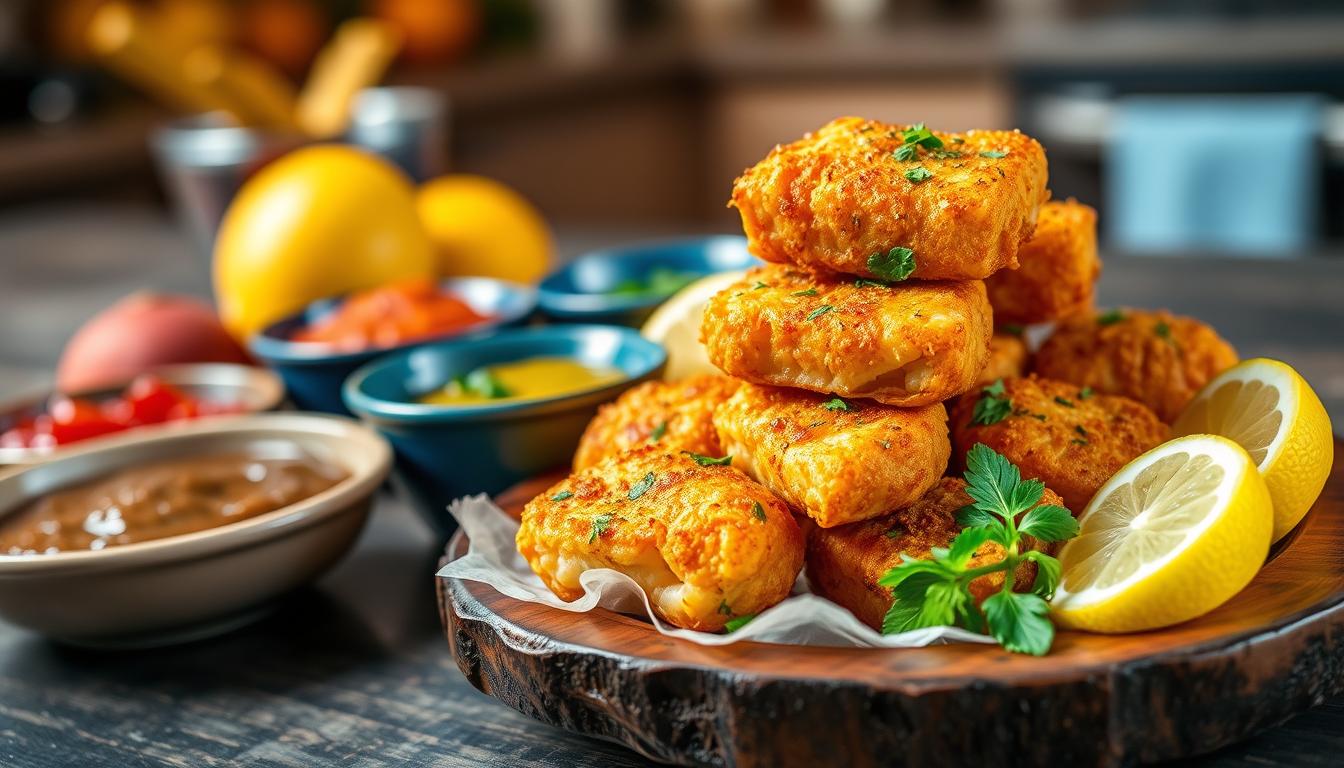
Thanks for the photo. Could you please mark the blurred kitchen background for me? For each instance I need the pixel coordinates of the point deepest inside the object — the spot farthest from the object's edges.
(1194, 126)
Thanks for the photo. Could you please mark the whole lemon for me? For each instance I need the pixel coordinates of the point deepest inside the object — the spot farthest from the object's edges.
(319, 221)
(481, 227)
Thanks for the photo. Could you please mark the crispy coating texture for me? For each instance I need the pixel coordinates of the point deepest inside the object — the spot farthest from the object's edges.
(1071, 442)
(837, 466)
(908, 344)
(1058, 271)
(1160, 359)
(705, 543)
(837, 196)
(682, 410)
(1008, 358)
(844, 564)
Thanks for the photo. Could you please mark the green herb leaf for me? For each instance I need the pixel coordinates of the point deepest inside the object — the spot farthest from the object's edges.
(992, 407)
(710, 461)
(1019, 622)
(1048, 570)
(1049, 523)
(994, 154)
(734, 624)
(759, 285)
(895, 265)
(944, 603)
(1162, 330)
(483, 383)
(1064, 401)
(758, 511)
(819, 311)
(918, 135)
(918, 174)
(1111, 317)
(640, 488)
(561, 496)
(908, 601)
(1080, 430)
(600, 525)
(725, 609)
(906, 153)
(958, 140)
(864, 282)
(837, 404)
(1084, 393)
(1012, 329)
(658, 431)
(966, 544)
(806, 292)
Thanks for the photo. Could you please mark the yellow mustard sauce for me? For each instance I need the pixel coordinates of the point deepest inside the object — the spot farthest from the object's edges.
(529, 379)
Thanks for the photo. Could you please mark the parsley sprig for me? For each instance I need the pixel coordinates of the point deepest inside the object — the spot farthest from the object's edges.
(993, 406)
(936, 592)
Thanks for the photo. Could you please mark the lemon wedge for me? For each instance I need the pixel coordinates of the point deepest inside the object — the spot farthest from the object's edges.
(1271, 411)
(676, 325)
(1171, 536)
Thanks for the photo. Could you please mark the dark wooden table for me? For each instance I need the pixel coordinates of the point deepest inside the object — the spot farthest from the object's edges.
(355, 670)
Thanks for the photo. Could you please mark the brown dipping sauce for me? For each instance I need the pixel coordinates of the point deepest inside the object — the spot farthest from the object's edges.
(163, 499)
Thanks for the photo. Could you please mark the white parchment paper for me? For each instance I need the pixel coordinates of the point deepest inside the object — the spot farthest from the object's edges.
(802, 619)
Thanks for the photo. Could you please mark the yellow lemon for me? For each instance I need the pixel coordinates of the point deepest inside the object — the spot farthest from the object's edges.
(1173, 535)
(1271, 411)
(317, 222)
(481, 227)
(676, 325)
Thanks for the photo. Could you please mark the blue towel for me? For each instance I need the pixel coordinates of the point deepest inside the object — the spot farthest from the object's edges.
(1222, 173)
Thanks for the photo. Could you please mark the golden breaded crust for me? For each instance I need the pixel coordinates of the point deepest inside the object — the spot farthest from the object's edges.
(1008, 358)
(678, 413)
(1071, 442)
(837, 196)
(908, 344)
(1058, 268)
(705, 543)
(1160, 359)
(836, 466)
(844, 564)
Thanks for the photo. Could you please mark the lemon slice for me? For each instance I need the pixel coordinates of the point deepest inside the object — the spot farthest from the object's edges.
(1271, 411)
(1171, 536)
(676, 325)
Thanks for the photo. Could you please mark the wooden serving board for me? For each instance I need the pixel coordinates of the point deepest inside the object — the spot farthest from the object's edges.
(1272, 651)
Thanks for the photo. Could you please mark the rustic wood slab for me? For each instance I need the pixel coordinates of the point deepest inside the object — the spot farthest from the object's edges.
(1273, 651)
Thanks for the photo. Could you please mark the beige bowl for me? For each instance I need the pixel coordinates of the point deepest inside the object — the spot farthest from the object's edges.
(198, 584)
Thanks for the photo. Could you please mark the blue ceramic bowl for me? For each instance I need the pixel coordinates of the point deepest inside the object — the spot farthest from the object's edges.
(313, 373)
(447, 451)
(597, 286)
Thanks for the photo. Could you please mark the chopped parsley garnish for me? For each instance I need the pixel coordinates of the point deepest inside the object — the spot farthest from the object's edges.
(1013, 329)
(758, 511)
(734, 624)
(912, 139)
(1110, 318)
(709, 461)
(958, 140)
(561, 496)
(895, 265)
(1080, 430)
(1162, 330)
(482, 383)
(1078, 441)
(936, 592)
(992, 407)
(1084, 393)
(759, 285)
(895, 531)
(819, 311)
(640, 488)
(725, 608)
(944, 154)
(994, 154)
(918, 174)
(864, 282)
(906, 152)
(658, 432)
(1064, 401)
(805, 292)
(837, 404)
(1038, 416)
(600, 525)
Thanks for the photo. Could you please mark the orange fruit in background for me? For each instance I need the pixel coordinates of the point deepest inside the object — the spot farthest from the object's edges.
(318, 222)
(287, 33)
(435, 31)
(482, 227)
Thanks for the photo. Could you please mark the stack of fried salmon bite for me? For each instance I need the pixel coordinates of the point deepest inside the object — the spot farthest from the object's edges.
(826, 441)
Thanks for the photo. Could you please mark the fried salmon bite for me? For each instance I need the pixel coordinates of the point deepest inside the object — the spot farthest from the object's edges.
(706, 543)
(906, 344)
(1008, 357)
(1071, 438)
(1160, 359)
(844, 564)
(1058, 268)
(836, 460)
(844, 197)
(673, 416)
